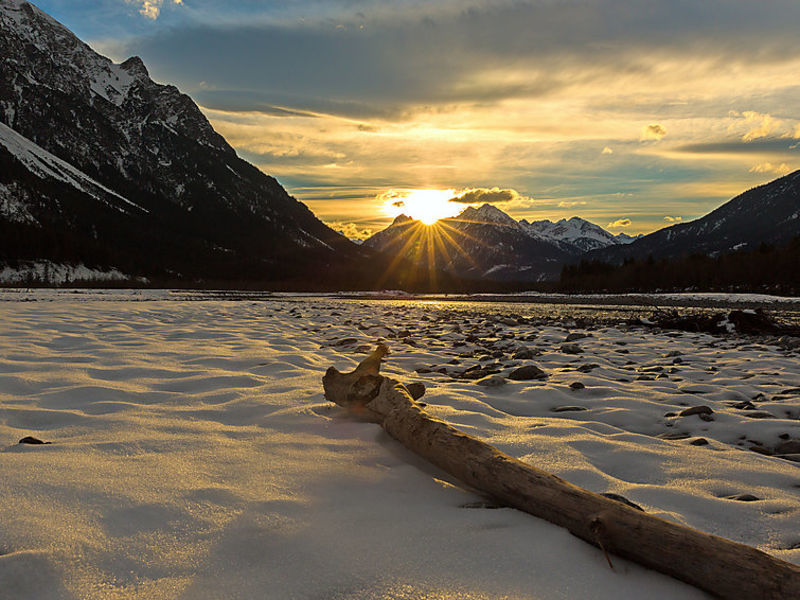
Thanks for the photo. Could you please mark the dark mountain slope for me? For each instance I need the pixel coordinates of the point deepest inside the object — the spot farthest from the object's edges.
(768, 213)
(201, 210)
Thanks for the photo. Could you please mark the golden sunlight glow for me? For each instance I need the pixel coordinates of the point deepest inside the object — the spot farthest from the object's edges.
(427, 206)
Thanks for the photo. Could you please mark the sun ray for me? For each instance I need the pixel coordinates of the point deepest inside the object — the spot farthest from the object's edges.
(427, 206)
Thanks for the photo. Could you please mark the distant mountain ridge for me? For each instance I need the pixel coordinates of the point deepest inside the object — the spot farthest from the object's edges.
(487, 243)
(768, 213)
(577, 232)
(103, 165)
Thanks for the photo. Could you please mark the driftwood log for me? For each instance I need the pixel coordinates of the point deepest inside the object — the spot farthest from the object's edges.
(724, 568)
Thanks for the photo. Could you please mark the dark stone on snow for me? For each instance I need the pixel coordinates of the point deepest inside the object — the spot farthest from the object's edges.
(28, 439)
(759, 414)
(696, 410)
(417, 390)
(743, 498)
(576, 385)
(526, 373)
(699, 442)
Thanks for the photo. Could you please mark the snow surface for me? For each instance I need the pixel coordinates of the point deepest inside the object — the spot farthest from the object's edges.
(194, 456)
(45, 165)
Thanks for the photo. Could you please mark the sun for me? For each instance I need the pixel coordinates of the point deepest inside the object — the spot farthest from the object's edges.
(427, 206)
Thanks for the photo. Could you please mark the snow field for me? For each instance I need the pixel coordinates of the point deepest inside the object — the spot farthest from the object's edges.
(193, 455)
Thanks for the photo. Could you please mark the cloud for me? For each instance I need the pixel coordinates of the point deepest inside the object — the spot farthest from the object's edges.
(760, 125)
(652, 132)
(571, 203)
(607, 150)
(619, 223)
(152, 8)
(673, 219)
(486, 196)
(767, 167)
(351, 230)
(399, 204)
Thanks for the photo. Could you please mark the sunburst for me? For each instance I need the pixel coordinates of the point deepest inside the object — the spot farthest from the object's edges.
(427, 206)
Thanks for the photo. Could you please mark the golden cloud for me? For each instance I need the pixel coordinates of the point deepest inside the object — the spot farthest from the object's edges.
(652, 132)
(619, 223)
(152, 8)
(767, 167)
(761, 125)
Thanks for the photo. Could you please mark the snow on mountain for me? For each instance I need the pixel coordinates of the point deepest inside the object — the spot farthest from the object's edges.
(485, 242)
(77, 127)
(576, 232)
(765, 214)
(488, 214)
(44, 165)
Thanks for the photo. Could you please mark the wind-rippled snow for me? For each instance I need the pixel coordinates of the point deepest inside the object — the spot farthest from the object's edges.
(194, 456)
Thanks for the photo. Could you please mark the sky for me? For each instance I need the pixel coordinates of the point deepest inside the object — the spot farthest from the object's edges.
(633, 114)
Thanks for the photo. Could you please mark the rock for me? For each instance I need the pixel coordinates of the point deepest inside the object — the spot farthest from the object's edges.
(790, 447)
(622, 499)
(345, 342)
(524, 354)
(671, 414)
(526, 373)
(744, 405)
(699, 442)
(560, 409)
(423, 370)
(32, 440)
(571, 349)
(492, 381)
(417, 390)
(576, 385)
(696, 410)
(587, 368)
(743, 498)
(759, 414)
(365, 349)
(792, 457)
(673, 354)
(475, 374)
(573, 337)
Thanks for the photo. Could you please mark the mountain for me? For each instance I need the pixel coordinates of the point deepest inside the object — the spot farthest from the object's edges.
(579, 233)
(100, 164)
(769, 213)
(487, 243)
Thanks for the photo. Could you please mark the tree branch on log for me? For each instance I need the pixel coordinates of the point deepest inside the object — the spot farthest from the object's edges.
(724, 568)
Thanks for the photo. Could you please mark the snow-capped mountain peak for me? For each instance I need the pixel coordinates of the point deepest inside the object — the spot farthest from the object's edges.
(486, 242)
(487, 214)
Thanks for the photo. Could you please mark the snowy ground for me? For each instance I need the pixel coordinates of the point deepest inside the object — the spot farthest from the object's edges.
(193, 455)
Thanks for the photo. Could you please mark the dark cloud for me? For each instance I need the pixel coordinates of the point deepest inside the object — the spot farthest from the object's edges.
(486, 196)
(762, 146)
(399, 204)
(422, 58)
